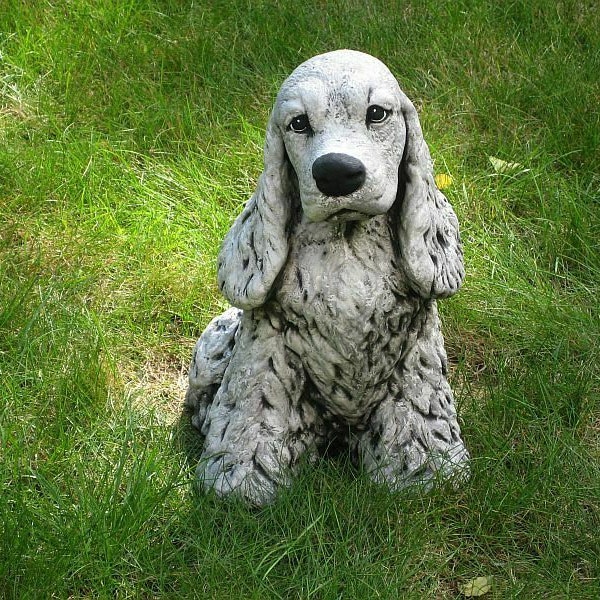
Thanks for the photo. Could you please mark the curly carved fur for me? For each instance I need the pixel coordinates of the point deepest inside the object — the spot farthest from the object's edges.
(336, 334)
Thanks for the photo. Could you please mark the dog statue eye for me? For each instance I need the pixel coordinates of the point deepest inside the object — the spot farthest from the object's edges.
(299, 124)
(376, 114)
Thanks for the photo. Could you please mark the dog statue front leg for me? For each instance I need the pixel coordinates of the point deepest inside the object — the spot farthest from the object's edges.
(258, 426)
(413, 436)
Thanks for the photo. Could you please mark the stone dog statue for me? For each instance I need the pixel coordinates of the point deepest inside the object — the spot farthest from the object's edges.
(334, 265)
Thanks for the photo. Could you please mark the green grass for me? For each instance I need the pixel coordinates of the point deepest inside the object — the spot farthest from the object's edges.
(130, 136)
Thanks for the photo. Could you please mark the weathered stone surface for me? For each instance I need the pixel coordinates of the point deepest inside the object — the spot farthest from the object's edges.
(335, 265)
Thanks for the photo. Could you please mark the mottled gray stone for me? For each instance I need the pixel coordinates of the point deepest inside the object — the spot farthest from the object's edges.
(335, 268)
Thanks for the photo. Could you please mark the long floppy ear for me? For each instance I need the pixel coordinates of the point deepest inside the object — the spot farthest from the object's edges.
(256, 247)
(427, 227)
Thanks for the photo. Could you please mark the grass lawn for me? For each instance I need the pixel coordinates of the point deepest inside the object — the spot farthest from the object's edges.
(130, 137)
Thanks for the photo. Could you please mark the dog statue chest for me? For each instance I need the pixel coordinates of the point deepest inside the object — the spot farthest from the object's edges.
(346, 309)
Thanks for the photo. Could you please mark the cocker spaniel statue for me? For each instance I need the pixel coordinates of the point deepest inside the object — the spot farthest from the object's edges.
(333, 267)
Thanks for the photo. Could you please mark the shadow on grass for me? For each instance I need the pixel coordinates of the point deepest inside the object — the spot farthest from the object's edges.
(187, 439)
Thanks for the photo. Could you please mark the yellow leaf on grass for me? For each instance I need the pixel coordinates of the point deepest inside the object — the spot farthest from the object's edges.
(443, 181)
(477, 587)
(501, 166)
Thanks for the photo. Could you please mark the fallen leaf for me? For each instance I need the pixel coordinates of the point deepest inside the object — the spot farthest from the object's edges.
(477, 587)
(501, 166)
(443, 181)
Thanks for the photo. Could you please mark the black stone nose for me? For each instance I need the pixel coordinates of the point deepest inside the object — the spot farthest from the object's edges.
(338, 174)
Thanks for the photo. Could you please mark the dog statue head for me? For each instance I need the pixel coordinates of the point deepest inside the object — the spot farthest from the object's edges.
(341, 118)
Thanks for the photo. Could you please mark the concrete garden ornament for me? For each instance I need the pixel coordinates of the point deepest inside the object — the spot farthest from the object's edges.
(334, 267)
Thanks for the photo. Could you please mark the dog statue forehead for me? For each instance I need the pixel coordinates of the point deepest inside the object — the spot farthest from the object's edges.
(342, 62)
(337, 69)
